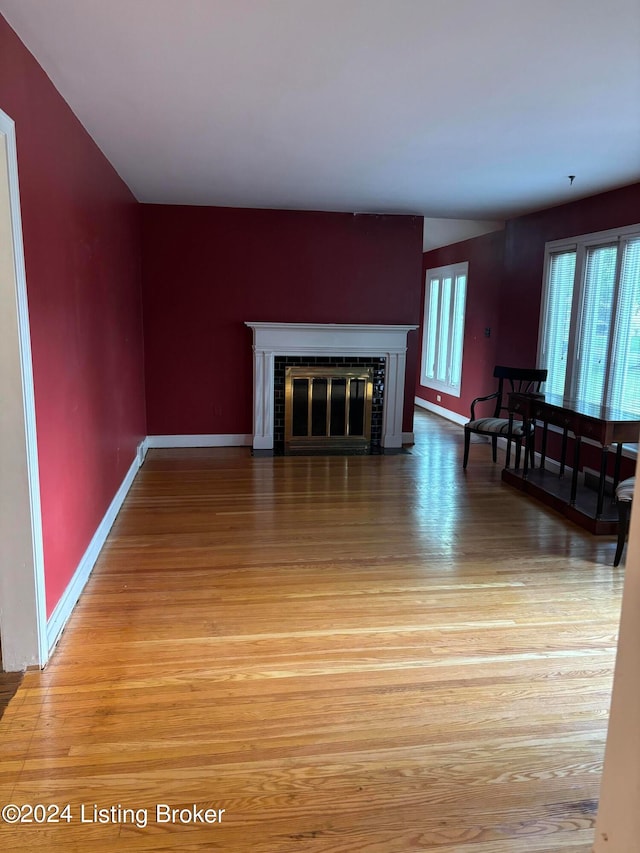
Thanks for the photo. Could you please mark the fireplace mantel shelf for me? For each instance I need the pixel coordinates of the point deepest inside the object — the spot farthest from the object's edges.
(334, 339)
(332, 327)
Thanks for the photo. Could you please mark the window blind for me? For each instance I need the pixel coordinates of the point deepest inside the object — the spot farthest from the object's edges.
(590, 335)
(625, 366)
(596, 323)
(443, 334)
(458, 328)
(562, 267)
(431, 327)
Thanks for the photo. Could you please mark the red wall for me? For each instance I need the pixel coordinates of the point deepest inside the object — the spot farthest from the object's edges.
(82, 253)
(524, 259)
(207, 270)
(485, 257)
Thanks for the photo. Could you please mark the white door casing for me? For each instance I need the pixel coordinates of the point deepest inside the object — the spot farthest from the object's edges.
(22, 585)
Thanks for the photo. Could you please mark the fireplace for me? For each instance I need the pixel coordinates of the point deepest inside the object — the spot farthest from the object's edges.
(327, 409)
(328, 365)
(317, 352)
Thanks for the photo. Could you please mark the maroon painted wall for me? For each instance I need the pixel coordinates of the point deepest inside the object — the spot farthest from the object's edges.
(82, 252)
(485, 257)
(207, 270)
(524, 259)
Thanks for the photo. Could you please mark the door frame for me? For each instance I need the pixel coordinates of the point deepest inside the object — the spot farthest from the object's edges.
(23, 618)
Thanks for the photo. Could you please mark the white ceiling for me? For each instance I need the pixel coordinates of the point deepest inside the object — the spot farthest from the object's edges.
(470, 109)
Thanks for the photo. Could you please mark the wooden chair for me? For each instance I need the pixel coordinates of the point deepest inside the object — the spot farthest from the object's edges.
(510, 379)
(624, 497)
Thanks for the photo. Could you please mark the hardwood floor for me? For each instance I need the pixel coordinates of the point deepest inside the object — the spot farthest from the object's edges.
(346, 654)
(9, 683)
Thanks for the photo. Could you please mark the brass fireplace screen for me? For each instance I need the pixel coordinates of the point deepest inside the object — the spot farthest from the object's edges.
(328, 409)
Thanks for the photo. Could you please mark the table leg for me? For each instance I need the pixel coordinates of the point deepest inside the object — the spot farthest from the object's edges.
(543, 449)
(527, 446)
(601, 482)
(616, 470)
(563, 452)
(576, 466)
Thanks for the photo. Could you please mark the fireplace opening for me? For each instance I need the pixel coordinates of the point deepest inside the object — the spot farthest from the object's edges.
(328, 409)
(329, 365)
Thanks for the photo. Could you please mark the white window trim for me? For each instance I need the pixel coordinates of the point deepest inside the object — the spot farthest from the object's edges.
(580, 245)
(592, 239)
(453, 270)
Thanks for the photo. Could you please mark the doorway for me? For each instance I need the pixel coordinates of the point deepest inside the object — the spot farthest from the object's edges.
(23, 639)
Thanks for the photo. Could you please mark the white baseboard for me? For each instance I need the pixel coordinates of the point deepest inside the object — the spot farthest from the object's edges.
(408, 438)
(440, 410)
(215, 440)
(63, 609)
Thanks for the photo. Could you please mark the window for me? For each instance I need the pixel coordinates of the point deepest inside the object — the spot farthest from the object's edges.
(443, 328)
(590, 321)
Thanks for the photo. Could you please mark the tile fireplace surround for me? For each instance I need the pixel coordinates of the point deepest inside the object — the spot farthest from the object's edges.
(328, 339)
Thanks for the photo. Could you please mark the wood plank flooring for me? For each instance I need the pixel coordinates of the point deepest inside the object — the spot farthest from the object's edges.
(346, 654)
(9, 683)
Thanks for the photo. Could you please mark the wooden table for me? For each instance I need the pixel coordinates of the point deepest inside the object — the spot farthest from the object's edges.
(601, 424)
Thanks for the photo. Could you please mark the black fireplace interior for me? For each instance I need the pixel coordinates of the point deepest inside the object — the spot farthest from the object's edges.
(377, 367)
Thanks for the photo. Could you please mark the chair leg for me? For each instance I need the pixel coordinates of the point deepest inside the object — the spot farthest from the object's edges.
(624, 513)
(494, 447)
(467, 439)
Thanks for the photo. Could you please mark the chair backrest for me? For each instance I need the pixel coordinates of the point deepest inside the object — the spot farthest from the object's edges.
(523, 380)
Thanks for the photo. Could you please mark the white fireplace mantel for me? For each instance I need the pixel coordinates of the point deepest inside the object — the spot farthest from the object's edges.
(330, 339)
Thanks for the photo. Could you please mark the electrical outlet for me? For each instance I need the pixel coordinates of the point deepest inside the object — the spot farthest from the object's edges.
(438, 398)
